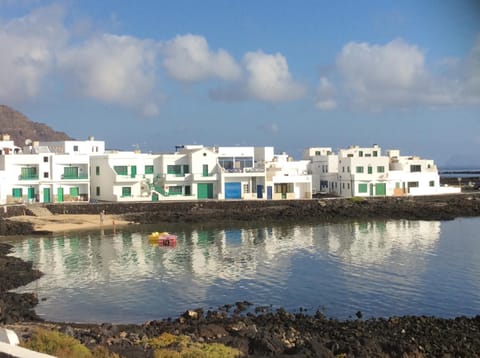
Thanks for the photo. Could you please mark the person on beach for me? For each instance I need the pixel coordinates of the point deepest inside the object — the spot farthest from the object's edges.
(102, 216)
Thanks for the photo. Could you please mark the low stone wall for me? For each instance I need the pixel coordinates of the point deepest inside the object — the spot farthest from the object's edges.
(439, 207)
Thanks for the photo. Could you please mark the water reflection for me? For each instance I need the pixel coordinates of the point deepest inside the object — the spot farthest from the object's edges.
(120, 277)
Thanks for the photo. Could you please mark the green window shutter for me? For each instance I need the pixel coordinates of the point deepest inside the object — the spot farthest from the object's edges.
(174, 169)
(97, 191)
(186, 169)
(17, 192)
(148, 169)
(360, 153)
(381, 169)
(205, 170)
(370, 170)
(359, 169)
(70, 173)
(126, 191)
(97, 170)
(74, 191)
(362, 188)
(121, 169)
(375, 153)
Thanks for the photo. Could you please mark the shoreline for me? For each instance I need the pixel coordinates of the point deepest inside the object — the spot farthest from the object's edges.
(266, 332)
(58, 223)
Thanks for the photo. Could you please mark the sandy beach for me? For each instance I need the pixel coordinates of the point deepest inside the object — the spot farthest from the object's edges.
(70, 222)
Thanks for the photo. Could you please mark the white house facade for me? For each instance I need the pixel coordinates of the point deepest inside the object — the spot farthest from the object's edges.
(365, 171)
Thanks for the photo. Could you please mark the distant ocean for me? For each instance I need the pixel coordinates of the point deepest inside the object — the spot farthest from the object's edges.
(459, 172)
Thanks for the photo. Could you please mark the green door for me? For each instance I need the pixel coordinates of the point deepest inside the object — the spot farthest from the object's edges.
(60, 195)
(380, 189)
(31, 193)
(133, 171)
(46, 195)
(205, 191)
(154, 197)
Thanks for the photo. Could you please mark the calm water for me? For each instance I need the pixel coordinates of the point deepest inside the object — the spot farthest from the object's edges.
(382, 268)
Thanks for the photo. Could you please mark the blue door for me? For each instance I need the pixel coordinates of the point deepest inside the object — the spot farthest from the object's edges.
(269, 193)
(233, 190)
(259, 191)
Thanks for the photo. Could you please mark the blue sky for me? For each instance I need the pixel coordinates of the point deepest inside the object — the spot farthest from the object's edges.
(289, 74)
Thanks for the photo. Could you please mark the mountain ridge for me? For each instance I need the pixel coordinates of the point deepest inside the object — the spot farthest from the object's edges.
(20, 128)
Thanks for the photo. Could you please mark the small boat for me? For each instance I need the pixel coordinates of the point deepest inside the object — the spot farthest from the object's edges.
(167, 240)
(163, 238)
(154, 236)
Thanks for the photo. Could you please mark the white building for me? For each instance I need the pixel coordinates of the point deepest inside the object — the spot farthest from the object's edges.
(364, 171)
(47, 172)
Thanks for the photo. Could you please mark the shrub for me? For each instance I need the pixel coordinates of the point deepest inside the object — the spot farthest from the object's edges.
(170, 346)
(57, 344)
(63, 346)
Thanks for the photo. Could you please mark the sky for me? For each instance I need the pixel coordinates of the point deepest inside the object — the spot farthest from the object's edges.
(291, 74)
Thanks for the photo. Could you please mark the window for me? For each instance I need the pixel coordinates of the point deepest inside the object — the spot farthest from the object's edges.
(70, 173)
(45, 159)
(431, 183)
(343, 169)
(370, 170)
(317, 153)
(381, 169)
(186, 169)
(375, 153)
(97, 191)
(350, 155)
(348, 169)
(74, 191)
(29, 173)
(343, 185)
(75, 148)
(174, 169)
(126, 191)
(362, 188)
(121, 169)
(148, 169)
(97, 170)
(17, 192)
(412, 184)
(360, 153)
(246, 188)
(175, 190)
(359, 169)
(205, 170)
(415, 168)
(45, 174)
(188, 190)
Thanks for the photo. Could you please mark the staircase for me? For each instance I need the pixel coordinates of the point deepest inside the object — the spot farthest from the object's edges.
(39, 210)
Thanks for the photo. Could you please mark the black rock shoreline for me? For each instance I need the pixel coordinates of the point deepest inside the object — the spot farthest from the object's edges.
(265, 332)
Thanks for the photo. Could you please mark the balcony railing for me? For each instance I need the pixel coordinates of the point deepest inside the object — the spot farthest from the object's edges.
(28, 177)
(73, 176)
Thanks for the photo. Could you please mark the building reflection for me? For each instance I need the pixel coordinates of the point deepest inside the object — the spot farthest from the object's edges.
(206, 261)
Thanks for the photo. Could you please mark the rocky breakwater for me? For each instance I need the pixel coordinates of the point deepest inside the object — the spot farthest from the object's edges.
(440, 207)
(15, 273)
(281, 333)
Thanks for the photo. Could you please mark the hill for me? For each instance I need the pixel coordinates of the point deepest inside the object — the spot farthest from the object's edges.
(20, 128)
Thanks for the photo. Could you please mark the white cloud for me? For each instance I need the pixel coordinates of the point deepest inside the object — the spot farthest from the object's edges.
(27, 47)
(189, 59)
(391, 75)
(471, 75)
(269, 79)
(115, 69)
(325, 95)
(377, 77)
